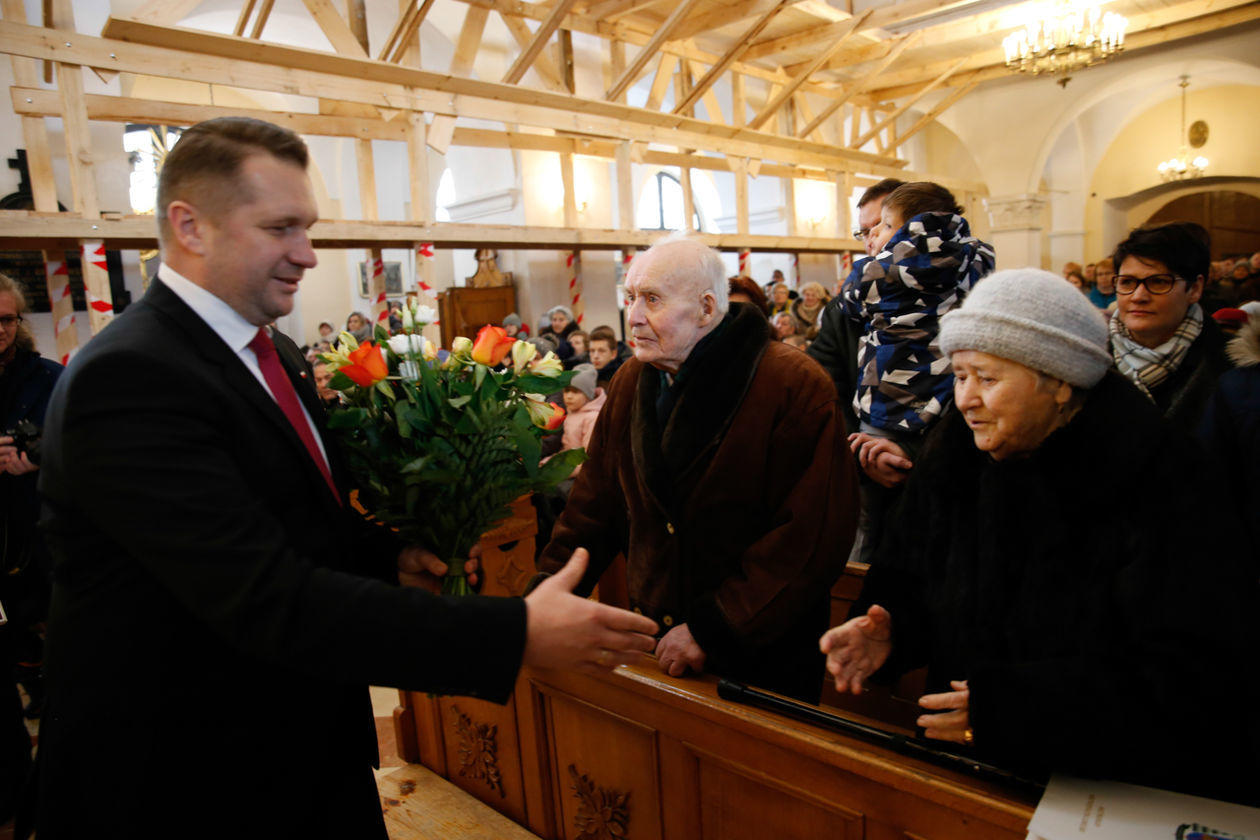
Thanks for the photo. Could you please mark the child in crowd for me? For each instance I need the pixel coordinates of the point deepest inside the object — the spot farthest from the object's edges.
(577, 340)
(583, 399)
(513, 326)
(925, 262)
(603, 354)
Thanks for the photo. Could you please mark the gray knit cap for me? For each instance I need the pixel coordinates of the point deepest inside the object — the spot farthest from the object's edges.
(512, 320)
(1035, 318)
(585, 380)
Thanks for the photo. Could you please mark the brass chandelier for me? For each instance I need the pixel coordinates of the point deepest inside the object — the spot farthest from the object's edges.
(1063, 37)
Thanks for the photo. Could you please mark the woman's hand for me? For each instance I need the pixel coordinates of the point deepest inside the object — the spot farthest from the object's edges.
(952, 724)
(882, 460)
(858, 648)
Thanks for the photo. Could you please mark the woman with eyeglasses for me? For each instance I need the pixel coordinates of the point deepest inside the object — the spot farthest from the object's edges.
(1160, 337)
(1117, 646)
(26, 383)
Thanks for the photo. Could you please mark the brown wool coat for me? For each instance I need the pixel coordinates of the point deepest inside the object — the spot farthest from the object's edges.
(737, 518)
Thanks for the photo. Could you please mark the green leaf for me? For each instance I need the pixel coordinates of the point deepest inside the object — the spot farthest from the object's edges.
(560, 467)
(381, 333)
(459, 402)
(348, 418)
(341, 382)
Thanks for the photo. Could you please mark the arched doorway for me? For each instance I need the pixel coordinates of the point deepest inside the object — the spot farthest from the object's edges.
(1232, 218)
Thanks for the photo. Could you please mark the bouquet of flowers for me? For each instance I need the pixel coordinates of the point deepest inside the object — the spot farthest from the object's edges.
(441, 442)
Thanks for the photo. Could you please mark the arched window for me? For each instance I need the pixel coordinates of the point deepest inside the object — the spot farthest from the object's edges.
(147, 146)
(661, 204)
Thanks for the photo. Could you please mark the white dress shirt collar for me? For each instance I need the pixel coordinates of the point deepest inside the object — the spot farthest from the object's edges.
(227, 323)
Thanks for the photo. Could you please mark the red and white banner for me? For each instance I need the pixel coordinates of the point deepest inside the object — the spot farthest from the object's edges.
(573, 262)
(96, 284)
(64, 328)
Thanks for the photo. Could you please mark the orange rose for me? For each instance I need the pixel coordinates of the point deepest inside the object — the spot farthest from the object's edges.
(556, 420)
(367, 366)
(492, 344)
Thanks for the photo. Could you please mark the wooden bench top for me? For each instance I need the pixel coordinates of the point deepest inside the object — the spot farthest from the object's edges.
(421, 805)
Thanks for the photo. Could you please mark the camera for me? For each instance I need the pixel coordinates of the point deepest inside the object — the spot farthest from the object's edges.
(26, 438)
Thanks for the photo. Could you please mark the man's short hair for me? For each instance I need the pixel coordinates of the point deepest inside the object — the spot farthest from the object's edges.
(1184, 247)
(700, 263)
(204, 167)
(609, 340)
(883, 188)
(603, 331)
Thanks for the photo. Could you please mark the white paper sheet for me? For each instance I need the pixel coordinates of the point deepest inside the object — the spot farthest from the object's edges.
(1073, 808)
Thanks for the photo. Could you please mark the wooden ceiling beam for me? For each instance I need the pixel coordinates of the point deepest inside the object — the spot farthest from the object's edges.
(880, 17)
(732, 55)
(543, 66)
(906, 105)
(38, 102)
(222, 59)
(23, 230)
(260, 22)
(772, 106)
(165, 12)
(614, 9)
(649, 50)
(941, 107)
(335, 28)
(545, 30)
(854, 88)
(660, 84)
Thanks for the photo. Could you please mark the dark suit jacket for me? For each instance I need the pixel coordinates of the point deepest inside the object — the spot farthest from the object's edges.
(216, 614)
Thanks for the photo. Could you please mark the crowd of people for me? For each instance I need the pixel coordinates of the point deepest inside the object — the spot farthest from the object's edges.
(1053, 496)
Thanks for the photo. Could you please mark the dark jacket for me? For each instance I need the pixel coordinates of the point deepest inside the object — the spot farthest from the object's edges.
(1115, 646)
(1183, 396)
(25, 388)
(1230, 425)
(217, 616)
(737, 516)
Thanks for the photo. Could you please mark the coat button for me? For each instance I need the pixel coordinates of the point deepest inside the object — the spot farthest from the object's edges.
(669, 526)
(668, 621)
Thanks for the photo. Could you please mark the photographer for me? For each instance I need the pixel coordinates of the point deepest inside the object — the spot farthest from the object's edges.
(26, 383)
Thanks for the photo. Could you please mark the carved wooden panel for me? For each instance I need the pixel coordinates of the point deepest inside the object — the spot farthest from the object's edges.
(482, 752)
(615, 768)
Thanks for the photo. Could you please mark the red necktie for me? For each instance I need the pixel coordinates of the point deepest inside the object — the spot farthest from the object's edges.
(287, 399)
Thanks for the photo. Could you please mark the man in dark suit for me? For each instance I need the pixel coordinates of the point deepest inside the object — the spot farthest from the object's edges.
(218, 611)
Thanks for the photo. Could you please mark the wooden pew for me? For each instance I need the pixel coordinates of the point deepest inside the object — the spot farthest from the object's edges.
(642, 755)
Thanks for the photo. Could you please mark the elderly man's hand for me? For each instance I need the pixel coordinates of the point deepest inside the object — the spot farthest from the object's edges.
(858, 648)
(953, 724)
(564, 631)
(12, 461)
(421, 568)
(677, 651)
(882, 460)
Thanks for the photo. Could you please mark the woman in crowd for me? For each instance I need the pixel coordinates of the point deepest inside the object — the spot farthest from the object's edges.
(807, 309)
(560, 324)
(1106, 646)
(1160, 338)
(359, 326)
(1103, 293)
(780, 300)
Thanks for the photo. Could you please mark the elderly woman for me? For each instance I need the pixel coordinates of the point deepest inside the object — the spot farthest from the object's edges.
(1056, 640)
(560, 325)
(807, 309)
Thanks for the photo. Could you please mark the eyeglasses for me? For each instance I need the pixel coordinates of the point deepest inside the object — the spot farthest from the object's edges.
(861, 233)
(1156, 284)
(10, 321)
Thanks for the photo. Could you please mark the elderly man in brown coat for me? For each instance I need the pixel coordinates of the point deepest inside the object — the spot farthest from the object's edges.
(719, 467)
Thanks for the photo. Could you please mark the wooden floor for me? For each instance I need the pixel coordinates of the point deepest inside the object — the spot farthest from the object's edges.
(421, 805)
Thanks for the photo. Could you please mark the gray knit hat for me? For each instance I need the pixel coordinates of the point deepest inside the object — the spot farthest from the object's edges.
(512, 320)
(1035, 318)
(585, 380)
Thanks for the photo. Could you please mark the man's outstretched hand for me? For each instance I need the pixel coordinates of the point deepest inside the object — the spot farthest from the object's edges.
(565, 631)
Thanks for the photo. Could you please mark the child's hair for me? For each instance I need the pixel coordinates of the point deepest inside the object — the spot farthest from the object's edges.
(909, 200)
(609, 340)
(577, 333)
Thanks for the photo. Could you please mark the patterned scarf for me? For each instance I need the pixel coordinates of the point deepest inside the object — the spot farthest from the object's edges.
(1146, 367)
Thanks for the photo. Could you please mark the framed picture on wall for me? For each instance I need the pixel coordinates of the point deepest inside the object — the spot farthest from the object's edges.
(393, 279)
